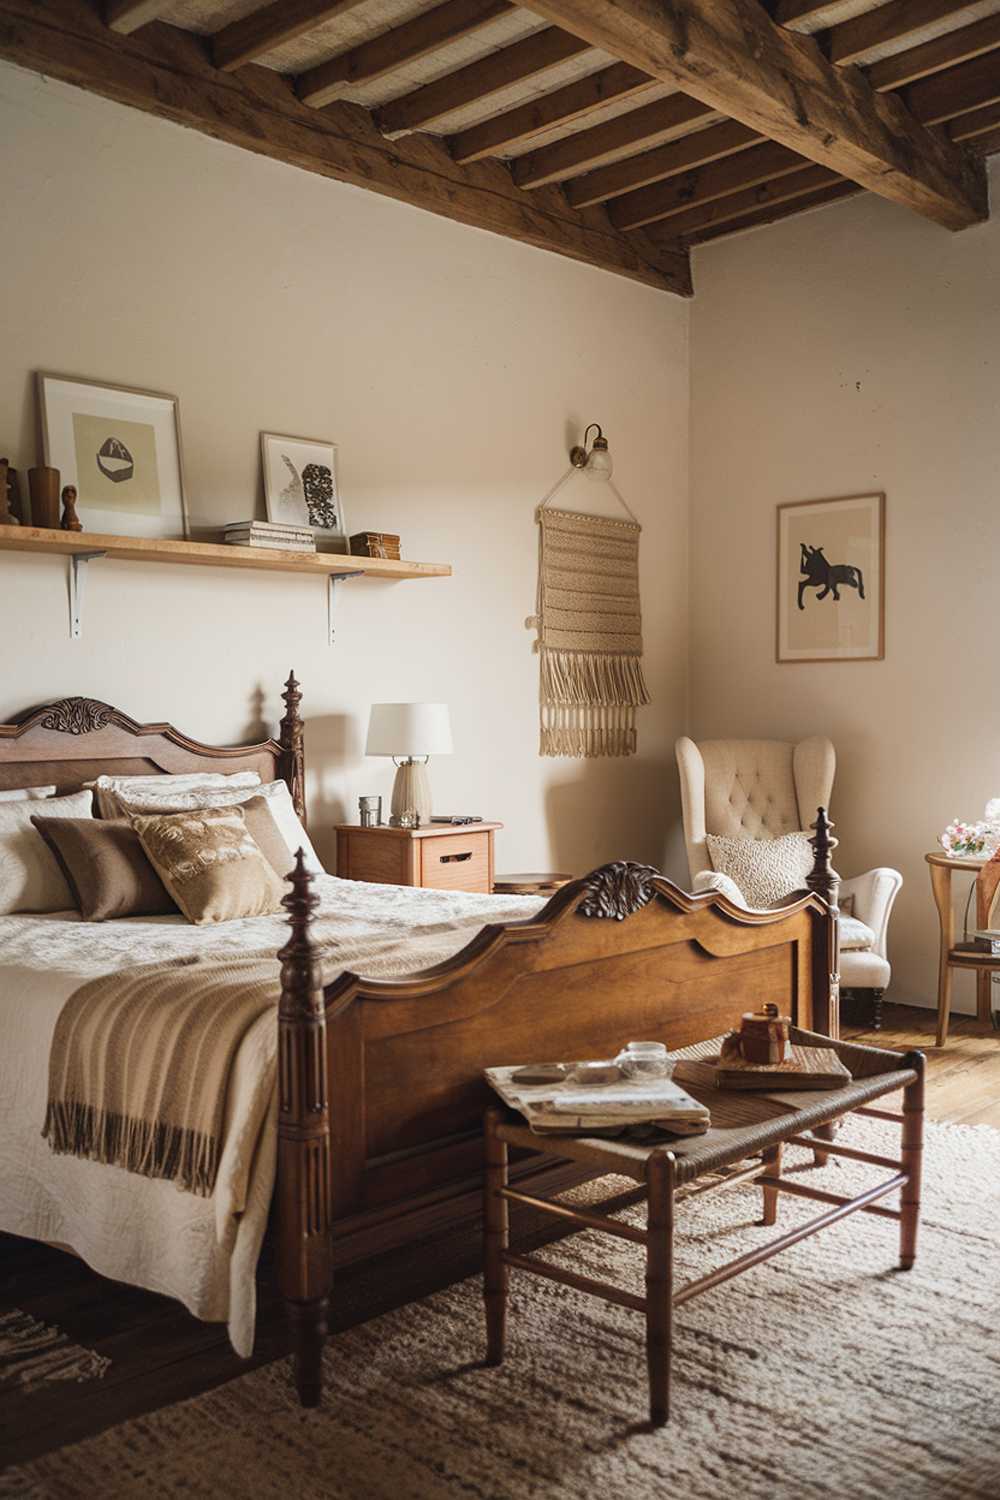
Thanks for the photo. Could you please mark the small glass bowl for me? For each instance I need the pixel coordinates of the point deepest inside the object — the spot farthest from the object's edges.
(645, 1060)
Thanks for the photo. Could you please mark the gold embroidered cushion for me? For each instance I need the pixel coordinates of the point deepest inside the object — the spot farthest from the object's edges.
(210, 863)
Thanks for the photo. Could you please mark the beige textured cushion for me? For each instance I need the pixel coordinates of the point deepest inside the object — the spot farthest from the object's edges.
(265, 831)
(279, 801)
(27, 793)
(106, 788)
(105, 867)
(210, 863)
(30, 877)
(766, 870)
(855, 937)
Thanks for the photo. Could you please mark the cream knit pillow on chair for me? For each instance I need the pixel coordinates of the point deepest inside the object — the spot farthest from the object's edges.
(766, 870)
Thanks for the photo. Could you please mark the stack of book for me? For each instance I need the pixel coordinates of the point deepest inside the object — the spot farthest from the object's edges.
(569, 1108)
(277, 534)
(985, 940)
(375, 544)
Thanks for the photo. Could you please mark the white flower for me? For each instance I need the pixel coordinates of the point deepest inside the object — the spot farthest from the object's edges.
(992, 810)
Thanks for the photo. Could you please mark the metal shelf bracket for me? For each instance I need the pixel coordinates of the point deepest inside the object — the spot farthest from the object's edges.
(331, 606)
(77, 576)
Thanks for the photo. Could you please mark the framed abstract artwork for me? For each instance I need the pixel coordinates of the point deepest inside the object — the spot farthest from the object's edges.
(300, 486)
(121, 447)
(831, 580)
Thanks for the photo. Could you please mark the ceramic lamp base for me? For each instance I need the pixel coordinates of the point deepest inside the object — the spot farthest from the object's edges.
(411, 791)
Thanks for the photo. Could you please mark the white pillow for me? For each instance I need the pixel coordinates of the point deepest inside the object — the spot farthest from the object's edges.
(27, 793)
(106, 788)
(279, 801)
(30, 878)
(766, 870)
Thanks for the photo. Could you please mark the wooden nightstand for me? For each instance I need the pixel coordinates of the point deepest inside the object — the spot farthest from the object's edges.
(443, 856)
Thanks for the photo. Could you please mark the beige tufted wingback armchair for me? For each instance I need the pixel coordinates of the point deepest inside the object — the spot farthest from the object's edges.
(760, 789)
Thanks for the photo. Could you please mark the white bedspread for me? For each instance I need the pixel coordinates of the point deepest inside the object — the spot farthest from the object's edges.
(203, 1251)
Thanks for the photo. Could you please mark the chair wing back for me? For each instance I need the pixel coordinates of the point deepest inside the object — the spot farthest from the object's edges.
(750, 788)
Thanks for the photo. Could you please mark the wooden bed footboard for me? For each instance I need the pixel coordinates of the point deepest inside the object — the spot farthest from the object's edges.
(381, 1093)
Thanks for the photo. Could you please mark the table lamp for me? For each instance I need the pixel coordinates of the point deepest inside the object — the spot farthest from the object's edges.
(409, 733)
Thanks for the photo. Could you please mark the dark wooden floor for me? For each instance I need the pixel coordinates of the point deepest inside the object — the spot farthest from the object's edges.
(159, 1354)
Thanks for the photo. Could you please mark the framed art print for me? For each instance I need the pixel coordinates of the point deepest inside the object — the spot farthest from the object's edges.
(121, 447)
(300, 486)
(831, 580)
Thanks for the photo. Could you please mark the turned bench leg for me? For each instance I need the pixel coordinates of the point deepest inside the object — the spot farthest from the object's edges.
(912, 1157)
(660, 1282)
(772, 1161)
(496, 1238)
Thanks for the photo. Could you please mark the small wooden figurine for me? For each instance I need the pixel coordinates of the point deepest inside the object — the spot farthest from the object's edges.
(764, 1037)
(70, 520)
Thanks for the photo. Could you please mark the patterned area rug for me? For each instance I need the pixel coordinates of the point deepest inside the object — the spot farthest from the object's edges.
(32, 1355)
(825, 1373)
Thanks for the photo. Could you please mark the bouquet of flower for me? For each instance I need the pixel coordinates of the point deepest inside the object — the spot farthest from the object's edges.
(974, 840)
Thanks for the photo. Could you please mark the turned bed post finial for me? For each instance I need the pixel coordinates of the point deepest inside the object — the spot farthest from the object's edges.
(303, 1190)
(824, 881)
(291, 739)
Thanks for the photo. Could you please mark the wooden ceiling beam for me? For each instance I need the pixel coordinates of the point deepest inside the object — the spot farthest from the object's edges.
(590, 148)
(716, 180)
(931, 57)
(263, 30)
(415, 38)
(731, 56)
(125, 16)
(853, 41)
(954, 92)
(165, 72)
(977, 122)
(805, 15)
(773, 213)
(478, 80)
(664, 161)
(988, 144)
(571, 102)
(808, 179)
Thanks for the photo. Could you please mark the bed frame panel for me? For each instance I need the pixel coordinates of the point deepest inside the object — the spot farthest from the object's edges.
(74, 740)
(381, 1094)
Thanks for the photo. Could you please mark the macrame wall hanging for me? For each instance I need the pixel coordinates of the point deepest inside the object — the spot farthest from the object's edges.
(589, 626)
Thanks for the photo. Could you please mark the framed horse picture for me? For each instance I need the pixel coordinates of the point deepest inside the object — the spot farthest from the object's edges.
(831, 579)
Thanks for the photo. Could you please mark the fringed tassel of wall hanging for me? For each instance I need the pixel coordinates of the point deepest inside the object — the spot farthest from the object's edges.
(589, 627)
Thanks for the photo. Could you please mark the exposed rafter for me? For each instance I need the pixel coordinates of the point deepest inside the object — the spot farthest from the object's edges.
(773, 212)
(532, 54)
(258, 110)
(733, 173)
(415, 38)
(956, 91)
(857, 39)
(129, 15)
(729, 54)
(571, 102)
(664, 161)
(930, 57)
(589, 148)
(807, 180)
(263, 30)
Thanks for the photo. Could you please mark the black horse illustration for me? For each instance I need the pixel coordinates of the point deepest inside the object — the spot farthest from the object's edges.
(826, 576)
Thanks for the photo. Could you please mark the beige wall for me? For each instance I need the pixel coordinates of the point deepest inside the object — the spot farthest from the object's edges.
(850, 350)
(452, 368)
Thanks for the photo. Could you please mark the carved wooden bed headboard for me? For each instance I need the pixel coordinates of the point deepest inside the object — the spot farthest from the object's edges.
(73, 740)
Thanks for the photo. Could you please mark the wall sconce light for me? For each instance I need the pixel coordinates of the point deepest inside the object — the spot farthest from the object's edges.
(596, 463)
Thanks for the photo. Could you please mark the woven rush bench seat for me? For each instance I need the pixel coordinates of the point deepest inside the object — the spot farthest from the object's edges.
(747, 1133)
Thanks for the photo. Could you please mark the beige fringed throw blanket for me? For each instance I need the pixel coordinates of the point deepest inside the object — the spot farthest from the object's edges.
(140, 1064)
(589, 634)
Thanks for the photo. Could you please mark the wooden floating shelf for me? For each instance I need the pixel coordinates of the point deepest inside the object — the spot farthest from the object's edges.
(38, 539)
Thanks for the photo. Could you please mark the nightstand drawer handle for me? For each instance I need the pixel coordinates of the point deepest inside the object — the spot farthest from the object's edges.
(451, 859)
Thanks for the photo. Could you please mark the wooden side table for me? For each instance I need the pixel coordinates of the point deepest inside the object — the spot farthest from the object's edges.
(941, 867)
(444, 856)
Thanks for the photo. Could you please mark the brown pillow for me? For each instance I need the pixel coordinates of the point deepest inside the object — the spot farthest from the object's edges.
(105, 868)
(210, 863)
(265, 830)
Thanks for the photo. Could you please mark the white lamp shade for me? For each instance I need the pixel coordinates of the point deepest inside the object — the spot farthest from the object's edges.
(409, 729)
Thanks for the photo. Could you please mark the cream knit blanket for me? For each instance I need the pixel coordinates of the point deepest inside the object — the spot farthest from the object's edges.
(589, 634)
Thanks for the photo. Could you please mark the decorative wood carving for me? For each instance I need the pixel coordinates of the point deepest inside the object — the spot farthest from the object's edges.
(78, 716)
(304, 1201)
(824, 881)
(619, 889)
(291, 737)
